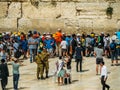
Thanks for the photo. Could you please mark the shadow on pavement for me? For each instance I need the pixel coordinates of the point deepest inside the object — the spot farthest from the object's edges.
(11, 88)
(73, 81)
(85, 70)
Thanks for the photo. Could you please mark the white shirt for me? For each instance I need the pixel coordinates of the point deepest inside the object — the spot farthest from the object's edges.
(15, 46)
(104, 71)
(60, 64)
(63, 45)
(1, 46)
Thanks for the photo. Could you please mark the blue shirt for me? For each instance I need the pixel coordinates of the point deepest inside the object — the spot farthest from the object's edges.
(24, 44)
(32, 40)
(15, 46)
(48, 43)
(67, 39)
(78, 51)
(118, 35)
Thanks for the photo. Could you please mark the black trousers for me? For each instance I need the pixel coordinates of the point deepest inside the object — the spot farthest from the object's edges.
(4, 82)
(103, 82)
(79, 64)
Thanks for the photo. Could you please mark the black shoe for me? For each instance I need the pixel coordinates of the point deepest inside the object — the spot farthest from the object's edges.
(108, 88)
(81, 71)
(47, 77)
(42, 78)
(116, 64)
(38, 78)
(112, 65)
(76, 70)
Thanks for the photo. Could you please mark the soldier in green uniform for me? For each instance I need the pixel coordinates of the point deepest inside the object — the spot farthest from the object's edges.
(45, 56)
(40, 65)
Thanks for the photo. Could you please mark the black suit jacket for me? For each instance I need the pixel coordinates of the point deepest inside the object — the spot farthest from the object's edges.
(4, 73)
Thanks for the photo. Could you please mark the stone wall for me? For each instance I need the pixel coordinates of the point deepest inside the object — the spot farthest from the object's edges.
(48, 15)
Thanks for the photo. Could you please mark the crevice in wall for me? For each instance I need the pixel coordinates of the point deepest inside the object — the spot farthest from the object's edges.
(21, 9)
(58, 16)
(54, 3)
(8, 5)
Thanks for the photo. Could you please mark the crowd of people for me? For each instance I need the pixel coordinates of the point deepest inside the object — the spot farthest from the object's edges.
(39, 47)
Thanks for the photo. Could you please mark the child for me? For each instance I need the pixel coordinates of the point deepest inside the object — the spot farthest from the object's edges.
(68, 64)
(60, 70)
(67, 76)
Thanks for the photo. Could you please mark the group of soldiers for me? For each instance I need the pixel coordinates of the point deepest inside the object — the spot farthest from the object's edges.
(42, 63)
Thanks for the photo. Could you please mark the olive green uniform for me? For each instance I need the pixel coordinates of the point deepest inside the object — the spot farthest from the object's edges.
(45, 57)
(40, 66)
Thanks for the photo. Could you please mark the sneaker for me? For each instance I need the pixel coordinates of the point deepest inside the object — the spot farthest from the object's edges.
(97, 74)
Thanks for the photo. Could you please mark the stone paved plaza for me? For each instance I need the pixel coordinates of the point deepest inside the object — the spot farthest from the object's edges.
(87, 80)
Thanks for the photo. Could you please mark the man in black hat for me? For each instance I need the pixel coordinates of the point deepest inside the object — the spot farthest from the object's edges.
(4, 73)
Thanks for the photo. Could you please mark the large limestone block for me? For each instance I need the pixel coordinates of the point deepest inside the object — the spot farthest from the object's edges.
(105, 25)
(29, 24)
(118, 24)
(14, 10)
(116, 8)
(50, 11)
(55, 24)
(25, 24)
(3, 9)
(45, 10)
(67, 9)
(8, 23)
(43, 25)
(19, 0)
(29, 11)
(71, 22)
(91, 10)
(91, 24)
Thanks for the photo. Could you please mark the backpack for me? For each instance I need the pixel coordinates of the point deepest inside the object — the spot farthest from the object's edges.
(92, 41)
(112, 46)
(18, 54)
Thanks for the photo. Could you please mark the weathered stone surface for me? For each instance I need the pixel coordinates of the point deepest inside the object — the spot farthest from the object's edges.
(14, 10)
(45, 10)
(43, 25)
(29, 11)
(118, 24)
(3, 9)
(14, 0)
(116, 8)
(84, 15)
(92, 8)
(8, 24)
(67, 9)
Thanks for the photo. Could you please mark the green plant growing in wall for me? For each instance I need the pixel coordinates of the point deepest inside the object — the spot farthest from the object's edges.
(109, 12)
